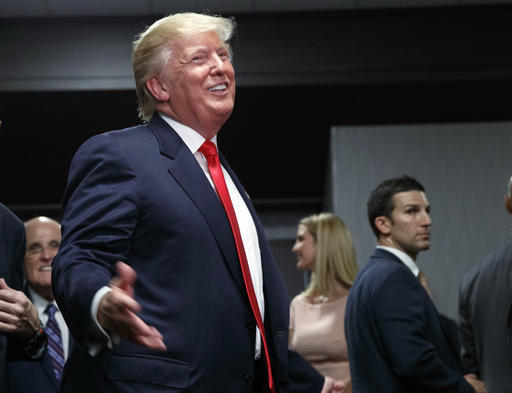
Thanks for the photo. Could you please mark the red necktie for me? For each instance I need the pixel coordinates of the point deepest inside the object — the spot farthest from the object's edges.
(210, 152)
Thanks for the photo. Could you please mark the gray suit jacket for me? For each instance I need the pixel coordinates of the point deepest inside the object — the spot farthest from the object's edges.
(485, 299)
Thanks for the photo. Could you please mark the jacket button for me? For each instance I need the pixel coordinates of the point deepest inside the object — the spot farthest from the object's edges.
(247, 379)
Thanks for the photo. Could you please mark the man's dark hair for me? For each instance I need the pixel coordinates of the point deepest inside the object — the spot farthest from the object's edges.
(381, 199)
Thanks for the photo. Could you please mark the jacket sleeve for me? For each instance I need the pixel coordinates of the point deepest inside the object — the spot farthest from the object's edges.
(100, 214)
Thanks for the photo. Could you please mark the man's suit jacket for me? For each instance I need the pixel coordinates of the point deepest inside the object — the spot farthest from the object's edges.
(395, 338)
(485, 300)
(138, 195)
(33, 376)
(12, 253)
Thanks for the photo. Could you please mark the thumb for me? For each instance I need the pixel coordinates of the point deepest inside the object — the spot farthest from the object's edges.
(126, 276)
(3, 284)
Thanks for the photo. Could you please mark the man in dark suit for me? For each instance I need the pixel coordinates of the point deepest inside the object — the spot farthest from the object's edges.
(485, 310)
(395, 338)
(20, 333)
(43, 239)
(177, 313)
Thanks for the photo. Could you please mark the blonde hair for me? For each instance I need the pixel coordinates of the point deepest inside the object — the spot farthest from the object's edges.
(151, 51)
(335, 253)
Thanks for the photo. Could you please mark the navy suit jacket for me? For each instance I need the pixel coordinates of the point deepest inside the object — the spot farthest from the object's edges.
(12, 253)
(138, 195)
(396, 341)
(33, 376)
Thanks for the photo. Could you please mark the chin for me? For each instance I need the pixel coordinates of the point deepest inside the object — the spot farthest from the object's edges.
(224, 112)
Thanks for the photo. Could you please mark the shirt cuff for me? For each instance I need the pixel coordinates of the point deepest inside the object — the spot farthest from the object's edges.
(100, 338)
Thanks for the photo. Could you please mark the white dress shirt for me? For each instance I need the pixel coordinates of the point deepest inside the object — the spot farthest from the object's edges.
(40, 303)
(405, 258)
(193, 140)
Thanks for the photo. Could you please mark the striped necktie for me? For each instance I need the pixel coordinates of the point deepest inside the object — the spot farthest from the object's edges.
(55, 349)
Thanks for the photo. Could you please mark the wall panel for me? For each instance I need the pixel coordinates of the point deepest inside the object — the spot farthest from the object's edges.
(464, 168)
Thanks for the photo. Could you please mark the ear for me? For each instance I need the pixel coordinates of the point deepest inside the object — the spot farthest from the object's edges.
(383, 224)
(157, 89)
(508, 204)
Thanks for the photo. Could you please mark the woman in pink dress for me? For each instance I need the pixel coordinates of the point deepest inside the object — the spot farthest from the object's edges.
(317, 329)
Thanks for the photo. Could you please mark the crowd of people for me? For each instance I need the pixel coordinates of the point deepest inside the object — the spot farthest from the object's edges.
(161, 277)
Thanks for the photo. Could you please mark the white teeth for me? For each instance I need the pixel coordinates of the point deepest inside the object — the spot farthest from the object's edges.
(46, 269)
(218, 87)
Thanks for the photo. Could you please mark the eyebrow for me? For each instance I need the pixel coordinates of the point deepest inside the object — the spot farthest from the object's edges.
(34, 244)
(415, 205)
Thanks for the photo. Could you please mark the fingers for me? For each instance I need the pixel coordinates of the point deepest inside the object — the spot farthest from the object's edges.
(332, 385)
(127, 277)
(117, 303)
(116, 315)
(13, 301)
(154, 340)
(116, 311)
(477, 384)
(17, 313)
(338, 386)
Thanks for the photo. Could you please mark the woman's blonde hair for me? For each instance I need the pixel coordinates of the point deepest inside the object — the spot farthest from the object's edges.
(151, 51)
(335, 253)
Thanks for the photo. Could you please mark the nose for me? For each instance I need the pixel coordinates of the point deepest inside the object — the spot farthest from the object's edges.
(295, 247)
(427, 220)
(47, 253)
(217, 67)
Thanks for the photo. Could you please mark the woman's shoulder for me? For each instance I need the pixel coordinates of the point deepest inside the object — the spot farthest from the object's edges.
(301, 298)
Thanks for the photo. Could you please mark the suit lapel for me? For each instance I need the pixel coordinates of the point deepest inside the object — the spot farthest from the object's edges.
(183, 167)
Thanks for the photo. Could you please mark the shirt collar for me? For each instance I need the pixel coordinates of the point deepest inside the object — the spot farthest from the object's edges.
(190, 137)
(406, 259)
(39, 301)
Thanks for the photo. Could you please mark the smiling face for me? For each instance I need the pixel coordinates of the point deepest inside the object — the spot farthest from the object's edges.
(199, 80)
(43, 240)
(408, 228)
(305, 249)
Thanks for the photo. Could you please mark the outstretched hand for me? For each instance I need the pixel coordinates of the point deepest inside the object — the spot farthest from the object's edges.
(18, 316)
(116, 312)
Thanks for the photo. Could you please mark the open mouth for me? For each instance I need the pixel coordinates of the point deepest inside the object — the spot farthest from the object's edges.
(46, 269)
(219, 87)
